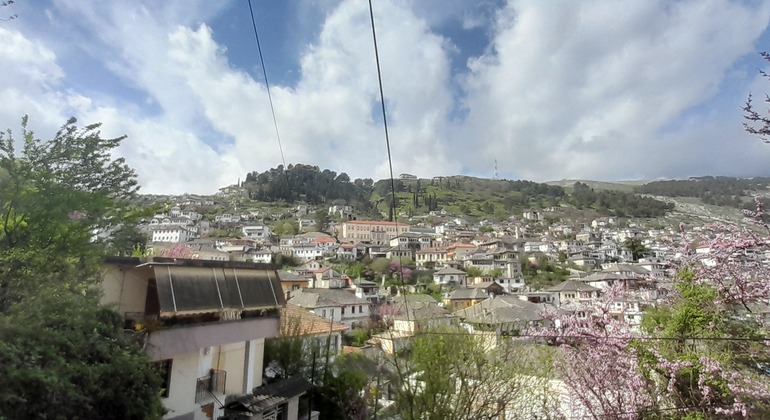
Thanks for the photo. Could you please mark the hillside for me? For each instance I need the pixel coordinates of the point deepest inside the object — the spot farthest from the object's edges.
(624, 186)
(276, 192)
(498, 199)
(720, 190)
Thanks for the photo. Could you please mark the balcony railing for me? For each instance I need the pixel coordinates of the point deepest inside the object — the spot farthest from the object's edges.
(140, 321)
(209, 386)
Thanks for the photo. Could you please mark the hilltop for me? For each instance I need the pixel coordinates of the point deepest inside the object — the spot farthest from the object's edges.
(700, 199)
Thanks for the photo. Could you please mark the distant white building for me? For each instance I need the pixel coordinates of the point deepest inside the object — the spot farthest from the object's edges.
(258, 232)
(450, 277)
(170, 233)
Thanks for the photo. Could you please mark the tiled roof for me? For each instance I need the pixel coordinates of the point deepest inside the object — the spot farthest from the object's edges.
(315, 298)
(296, 321)
(447, 271)
(474, 293)
(287, 276)
(503, 309)
(375, 222)
(572, 286)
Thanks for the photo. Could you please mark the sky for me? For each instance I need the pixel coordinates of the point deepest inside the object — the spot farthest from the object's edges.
(537, 90)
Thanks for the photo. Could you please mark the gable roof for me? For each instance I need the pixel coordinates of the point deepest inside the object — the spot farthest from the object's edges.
(636, 269)
(316, 298)
(297, 321)
(463, 294)
(289, 276)
(447, 271)
(504, 309)
(572, 286)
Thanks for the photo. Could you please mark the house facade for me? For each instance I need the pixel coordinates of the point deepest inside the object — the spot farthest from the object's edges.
(171, 233)
(450, 277)
(335, 305)
(375, 232)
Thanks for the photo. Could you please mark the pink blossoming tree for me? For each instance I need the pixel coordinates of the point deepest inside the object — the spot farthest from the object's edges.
(702, 353)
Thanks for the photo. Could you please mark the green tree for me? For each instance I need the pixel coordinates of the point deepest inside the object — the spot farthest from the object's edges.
(63, 356)
(474, 272)
(699, 313)
(458, 375)
(127, 240)
(355, 270)
(321, 220)
(380, 265)
(637, 248)
(54, 195)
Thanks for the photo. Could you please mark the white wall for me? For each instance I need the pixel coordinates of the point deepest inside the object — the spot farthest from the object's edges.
(184, 374)
(125, 290)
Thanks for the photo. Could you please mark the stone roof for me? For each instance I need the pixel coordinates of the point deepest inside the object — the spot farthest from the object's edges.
(417, 311)
(316, 298)
(289, 276)
(474, 293)
(572, 286)
(502, 309)
(448, 271)
(637, 269)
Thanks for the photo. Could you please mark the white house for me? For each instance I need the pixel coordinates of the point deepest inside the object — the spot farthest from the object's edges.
(307, 252)
(263, 256)
(170, 233)
(257, 232)
(336, 305)
(450, 277)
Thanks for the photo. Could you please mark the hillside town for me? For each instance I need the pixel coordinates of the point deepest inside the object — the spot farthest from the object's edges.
(371, 286)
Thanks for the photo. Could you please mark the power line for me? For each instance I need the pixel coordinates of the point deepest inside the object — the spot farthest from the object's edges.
(393, 216)
(267, 84)
(604, 337)
(384, 119)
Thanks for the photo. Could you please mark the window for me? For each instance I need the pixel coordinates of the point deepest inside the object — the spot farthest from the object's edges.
(360, 309)
(353, 309)
(164, 370)
(323, 313)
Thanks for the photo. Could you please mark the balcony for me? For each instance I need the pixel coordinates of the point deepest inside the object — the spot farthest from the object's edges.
(208, 386)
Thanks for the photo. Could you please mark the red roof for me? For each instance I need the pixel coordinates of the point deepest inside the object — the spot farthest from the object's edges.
(323, 239)
(375, 222)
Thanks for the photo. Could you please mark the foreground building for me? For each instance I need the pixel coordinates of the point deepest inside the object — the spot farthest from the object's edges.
(204, 323)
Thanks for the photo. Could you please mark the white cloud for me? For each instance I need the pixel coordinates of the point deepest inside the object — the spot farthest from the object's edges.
(584, 89)
(570, 90)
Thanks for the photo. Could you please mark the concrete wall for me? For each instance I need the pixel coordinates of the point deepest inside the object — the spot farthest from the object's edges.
(231, 358)
(125, 289)
(168, 342)
(185, 370)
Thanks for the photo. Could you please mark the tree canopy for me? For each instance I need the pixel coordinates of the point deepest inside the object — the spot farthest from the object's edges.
(64, 356)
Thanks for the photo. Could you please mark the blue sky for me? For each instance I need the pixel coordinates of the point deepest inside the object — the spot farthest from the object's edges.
(603, 90)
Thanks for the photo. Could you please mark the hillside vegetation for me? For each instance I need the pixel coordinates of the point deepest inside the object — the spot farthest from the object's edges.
(460, 195)
(720, 191)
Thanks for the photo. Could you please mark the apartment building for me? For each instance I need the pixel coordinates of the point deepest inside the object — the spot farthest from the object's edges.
(204, 324)
(372, 231)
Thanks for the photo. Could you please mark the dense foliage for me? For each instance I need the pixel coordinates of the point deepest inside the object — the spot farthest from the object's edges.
(463, 195)
(720, 190)
(309, 184)
(449, 373)
(63, 356)
(701, 353)
(617, 203)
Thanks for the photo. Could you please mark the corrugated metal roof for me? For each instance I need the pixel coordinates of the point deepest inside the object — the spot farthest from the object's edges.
(214, 289)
